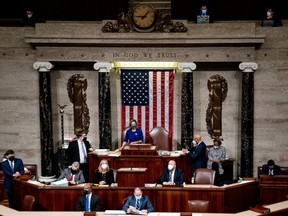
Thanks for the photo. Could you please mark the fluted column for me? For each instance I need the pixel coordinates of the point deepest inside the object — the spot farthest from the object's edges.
(187, 101)
(105, 132)
(46, 132)
(247, 118)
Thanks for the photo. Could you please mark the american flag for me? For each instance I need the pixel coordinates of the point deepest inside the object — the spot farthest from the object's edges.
(147, 96)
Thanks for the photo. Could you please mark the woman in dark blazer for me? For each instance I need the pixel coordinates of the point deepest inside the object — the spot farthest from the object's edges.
(104, 175)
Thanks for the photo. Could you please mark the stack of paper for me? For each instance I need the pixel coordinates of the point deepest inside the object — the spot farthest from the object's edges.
(115, 212)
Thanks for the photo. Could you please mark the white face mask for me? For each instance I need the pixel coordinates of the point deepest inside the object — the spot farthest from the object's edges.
(194, 143)
(170, 167)
(104, 166)
(269, 14)
(216, 147)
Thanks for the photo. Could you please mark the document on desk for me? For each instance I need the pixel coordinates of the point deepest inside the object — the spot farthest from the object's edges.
(135, 211)
(169, 214)
(114, 212)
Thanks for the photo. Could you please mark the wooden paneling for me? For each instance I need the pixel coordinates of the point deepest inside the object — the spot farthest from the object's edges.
(229, 199)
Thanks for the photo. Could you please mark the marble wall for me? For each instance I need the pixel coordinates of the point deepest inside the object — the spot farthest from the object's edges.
(19, 94)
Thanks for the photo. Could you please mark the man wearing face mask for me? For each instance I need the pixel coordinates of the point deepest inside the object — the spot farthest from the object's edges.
(138, 202)
(197, 153)
(88, 201)
(205, 13)
(172, 175)
(12, 168)
(133, 135)
(216, 156)
(73, 175)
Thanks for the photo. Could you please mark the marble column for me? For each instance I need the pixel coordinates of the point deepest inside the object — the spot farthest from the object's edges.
(187, 101)
(46, 132)
(105, 131)
(247, 118)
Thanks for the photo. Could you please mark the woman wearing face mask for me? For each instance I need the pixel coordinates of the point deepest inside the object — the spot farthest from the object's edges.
(104, 175)
(272, 16)
(133, 135)
(216, 155)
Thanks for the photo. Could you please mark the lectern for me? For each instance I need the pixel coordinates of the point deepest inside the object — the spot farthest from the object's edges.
(139, 149)
(131, 177)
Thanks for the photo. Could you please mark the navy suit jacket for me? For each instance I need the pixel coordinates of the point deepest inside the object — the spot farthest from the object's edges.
(276, 170)
(79, 177)
(73, 151)
(95, 203)
(178, 176)
(8, 172)
(144, 203)
(198, 156)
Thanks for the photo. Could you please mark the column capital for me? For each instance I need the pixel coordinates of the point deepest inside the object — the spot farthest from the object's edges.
(43, 66)
(187, 67)
(103, 67)
(248, 66)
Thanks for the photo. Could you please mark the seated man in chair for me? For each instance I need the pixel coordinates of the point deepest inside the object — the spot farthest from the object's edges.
(172, 175)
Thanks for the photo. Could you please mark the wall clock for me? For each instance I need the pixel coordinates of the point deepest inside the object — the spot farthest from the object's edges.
(144, 17)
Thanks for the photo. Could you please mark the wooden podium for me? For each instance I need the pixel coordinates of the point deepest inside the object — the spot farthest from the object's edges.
(131, 177)
(139, 149)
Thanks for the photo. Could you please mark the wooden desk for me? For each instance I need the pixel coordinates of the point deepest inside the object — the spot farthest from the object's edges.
(126, 177)
(154, 164)
(273, 188)
(229, 199)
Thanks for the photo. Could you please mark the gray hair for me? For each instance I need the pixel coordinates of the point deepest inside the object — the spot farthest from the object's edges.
(76, 164)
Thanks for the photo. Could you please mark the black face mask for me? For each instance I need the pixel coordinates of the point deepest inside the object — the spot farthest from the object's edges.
(11, 158)
(85, 191)
(73, 171)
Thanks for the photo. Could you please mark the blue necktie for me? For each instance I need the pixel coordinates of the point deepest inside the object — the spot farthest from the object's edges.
(87, 203)
(138, 204)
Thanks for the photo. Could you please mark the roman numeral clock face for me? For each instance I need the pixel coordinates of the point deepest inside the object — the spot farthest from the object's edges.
(144, 16)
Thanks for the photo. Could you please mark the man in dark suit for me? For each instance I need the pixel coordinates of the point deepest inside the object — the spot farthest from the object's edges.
(172, 175)
(88, 201)
(197, 153)
(271, 168)
(12, 168)
(73, 175)
(78, 151)
(138, 202)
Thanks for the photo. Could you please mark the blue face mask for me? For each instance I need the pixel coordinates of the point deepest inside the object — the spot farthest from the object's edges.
(204, 12)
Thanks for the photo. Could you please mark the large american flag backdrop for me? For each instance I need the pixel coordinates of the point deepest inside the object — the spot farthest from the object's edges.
(147, 96)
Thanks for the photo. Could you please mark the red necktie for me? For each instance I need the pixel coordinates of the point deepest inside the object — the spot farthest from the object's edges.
(71, 177)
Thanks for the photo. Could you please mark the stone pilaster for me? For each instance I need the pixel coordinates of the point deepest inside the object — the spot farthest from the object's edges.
(247, 118)
(46, 132)
(105, 131)
(187, 101)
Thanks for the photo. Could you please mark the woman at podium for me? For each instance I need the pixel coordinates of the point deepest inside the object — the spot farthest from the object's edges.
(134, 135)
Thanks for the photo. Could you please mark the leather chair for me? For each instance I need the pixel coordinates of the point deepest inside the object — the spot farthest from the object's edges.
(200, 206)
(33, 169)
(28, 203)
(204, 176)
(159, 137)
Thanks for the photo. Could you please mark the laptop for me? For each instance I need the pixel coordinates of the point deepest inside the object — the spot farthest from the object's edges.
(202, 19)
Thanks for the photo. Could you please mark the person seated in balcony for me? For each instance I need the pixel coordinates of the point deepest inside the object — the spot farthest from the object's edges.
(104, 175)
(271, 18)
(73, 175)
(172, 175)
(204, 16)
(271, 168)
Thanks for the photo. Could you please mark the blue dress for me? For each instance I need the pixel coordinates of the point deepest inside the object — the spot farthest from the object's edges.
(132, 136)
